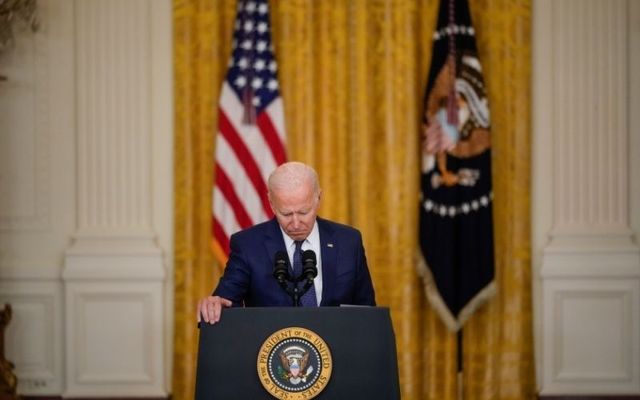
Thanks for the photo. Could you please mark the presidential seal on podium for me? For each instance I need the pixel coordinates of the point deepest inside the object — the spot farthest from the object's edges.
(294, 363)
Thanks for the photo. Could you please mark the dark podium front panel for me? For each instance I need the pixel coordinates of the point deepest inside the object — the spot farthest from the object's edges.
(360, 339)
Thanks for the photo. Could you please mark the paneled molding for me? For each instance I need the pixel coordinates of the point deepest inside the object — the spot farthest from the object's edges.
(114, 339)
(36, 194)
(34, 339)
(126, 256)
(588, 309)
(114, 269)
(591, 330)
(85, 164)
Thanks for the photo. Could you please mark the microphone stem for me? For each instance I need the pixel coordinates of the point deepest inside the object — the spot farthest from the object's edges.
(296, 296)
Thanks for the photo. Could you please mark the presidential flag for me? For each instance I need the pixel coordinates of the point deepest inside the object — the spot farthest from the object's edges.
(251, 138)
(456, 229)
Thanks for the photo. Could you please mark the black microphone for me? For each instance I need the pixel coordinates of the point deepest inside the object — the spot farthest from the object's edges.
(281, 267)
(309, 269)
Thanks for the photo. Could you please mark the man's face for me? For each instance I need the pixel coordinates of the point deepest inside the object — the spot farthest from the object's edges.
(295, 210)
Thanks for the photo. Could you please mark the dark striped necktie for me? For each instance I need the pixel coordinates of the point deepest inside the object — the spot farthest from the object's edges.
(309, 298)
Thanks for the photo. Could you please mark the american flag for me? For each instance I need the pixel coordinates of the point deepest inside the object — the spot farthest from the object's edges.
(251, 135)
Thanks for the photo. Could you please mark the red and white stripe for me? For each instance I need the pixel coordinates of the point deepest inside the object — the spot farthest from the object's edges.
(245, 156)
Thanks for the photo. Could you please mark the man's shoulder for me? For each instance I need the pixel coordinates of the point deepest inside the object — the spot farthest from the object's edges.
(337, 227)
(256, 230)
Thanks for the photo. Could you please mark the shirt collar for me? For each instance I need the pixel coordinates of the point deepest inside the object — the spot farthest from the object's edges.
(312, 240)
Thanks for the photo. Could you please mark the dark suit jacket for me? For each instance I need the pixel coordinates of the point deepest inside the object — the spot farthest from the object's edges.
(248, 276)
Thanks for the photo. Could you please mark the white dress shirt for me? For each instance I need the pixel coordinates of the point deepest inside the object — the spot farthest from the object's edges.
(312, 242)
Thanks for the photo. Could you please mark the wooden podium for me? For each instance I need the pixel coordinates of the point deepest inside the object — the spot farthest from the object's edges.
(236, 354)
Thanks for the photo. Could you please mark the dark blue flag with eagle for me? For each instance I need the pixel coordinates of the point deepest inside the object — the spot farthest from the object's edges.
(456, 228)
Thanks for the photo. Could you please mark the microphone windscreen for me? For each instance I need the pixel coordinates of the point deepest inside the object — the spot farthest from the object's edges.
(281, 257)
(281, 266)
(309, 269)
(309, 257)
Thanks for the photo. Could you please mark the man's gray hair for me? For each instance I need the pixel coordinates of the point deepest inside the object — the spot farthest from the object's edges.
(292, 175)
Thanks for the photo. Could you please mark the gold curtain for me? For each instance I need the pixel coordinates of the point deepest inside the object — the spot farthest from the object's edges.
(352, 75)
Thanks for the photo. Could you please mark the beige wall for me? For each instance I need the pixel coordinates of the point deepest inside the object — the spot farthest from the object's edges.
(585, 196)
(86, 122)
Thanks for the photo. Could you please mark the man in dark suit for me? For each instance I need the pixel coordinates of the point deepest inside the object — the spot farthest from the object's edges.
(343, 274)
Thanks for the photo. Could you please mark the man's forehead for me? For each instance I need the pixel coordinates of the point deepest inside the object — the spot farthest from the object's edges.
(300, 205)
(288, 203)
(297, 194)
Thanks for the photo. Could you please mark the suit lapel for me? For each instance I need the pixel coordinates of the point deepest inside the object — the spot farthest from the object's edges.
(273, 240)
(328, 253)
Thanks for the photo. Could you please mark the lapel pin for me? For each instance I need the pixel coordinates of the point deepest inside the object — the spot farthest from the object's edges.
(329, 244)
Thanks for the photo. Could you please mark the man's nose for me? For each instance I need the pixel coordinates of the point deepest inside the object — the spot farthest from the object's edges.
(295, 220)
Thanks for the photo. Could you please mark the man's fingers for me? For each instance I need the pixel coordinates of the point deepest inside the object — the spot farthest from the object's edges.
(211, 311)
(210, 308)
(218, 304)
(200, 310)
(216, 312)
(203, 310)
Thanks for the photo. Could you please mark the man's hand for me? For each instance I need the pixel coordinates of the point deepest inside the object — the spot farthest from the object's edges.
(210, 308)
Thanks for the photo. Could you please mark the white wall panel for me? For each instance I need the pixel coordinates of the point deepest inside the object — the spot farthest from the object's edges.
(114, 270)
(37, 194)
(36, 142)
(591, 336)
(117, 323)
(86, 198)
(34, 338)
(584, 249)
(24, 144)
(114, 328)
